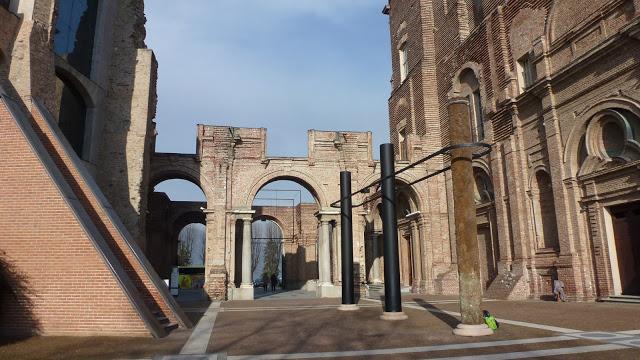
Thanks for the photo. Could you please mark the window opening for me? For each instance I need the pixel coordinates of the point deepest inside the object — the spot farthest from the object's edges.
(75, 32)
(525, 73)
(402, 144)
(404, 63)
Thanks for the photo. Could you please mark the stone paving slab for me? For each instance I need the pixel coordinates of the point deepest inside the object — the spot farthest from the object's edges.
(587, 316)
(260, 332)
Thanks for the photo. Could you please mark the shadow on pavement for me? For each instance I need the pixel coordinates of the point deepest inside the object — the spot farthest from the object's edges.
(450, 320)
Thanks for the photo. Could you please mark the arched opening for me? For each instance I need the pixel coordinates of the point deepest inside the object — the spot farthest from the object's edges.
(284, 217)
(72, 114)
(267, 255)
(544, 207)
(469, 87)
(176, 233)
(408, 217)
(488, 245)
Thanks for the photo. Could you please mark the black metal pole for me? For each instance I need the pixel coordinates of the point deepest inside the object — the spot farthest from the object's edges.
(347, 238)
(392, 300)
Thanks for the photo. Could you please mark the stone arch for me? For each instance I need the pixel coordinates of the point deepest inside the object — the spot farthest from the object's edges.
(70, 79)
(573, 145)
(306, 180)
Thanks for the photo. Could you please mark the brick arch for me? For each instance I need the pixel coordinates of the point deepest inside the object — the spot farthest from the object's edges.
(306, 180)
(566, 15)
(268, 217)
(455, 81)
(170, 166)
(572, 146)
(184, 219)
(403, 178)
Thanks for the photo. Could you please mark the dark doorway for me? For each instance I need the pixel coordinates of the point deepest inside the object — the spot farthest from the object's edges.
(626, 227)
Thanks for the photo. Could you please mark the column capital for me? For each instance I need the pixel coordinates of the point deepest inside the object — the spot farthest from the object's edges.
(243, 214)
(327, 214)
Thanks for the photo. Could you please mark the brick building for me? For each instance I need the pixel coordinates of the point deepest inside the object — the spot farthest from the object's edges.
(554, 87)
(77, 89)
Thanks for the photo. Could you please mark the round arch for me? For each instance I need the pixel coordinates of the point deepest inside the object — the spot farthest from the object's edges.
(301, 178)
(264, 217)
(72, 81)
(180, 173)
(455, 81)
(572, 146)
(403, 179)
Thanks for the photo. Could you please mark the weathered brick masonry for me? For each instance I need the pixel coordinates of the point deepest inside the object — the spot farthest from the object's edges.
(544, 78)
(72, 265)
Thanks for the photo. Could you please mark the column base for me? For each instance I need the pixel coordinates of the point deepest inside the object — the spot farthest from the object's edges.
(328, 290)
(393, 316)
(243, 293)
(472, 330)
(348, 307)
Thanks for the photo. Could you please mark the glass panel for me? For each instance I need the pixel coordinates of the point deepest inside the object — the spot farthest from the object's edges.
(75, 31)
(478, 120)
(72, 116)
(613, 139)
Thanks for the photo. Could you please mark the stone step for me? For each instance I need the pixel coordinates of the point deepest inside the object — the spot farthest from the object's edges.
(170, 327)
(628, 299)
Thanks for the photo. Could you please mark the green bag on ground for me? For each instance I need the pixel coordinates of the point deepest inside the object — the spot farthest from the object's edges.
(490, 320)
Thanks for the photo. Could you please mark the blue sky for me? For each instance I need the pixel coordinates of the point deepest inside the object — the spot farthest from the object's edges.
(286, 65)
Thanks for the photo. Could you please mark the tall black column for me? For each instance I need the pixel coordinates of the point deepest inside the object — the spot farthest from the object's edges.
(392, 300)
(348, 299)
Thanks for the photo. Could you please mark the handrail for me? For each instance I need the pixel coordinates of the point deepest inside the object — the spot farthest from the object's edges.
(445, 150)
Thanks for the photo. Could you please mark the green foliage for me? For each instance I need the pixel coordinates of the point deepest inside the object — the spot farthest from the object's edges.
(272, 257)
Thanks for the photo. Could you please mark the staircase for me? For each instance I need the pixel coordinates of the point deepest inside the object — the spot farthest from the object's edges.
(629, 299)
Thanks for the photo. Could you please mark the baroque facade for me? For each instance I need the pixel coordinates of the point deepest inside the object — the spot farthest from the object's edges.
(553, 86)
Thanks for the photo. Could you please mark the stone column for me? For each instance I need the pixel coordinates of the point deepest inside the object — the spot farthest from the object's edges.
(465, 222)
(417, 256)
(245, 291)
(324, 254)
(247, 278)
(375, 266)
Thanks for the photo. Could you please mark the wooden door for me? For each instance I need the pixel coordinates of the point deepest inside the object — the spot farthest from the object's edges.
(626, 227)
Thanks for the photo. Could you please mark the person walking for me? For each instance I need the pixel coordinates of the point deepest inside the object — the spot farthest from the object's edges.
(274, 282)
(265, 282)
(558, 286)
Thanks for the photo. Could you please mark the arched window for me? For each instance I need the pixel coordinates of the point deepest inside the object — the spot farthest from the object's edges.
(470, 87)
(72, 114)
(75, 32)
(612, 136)
(547, 227)
(483, 191)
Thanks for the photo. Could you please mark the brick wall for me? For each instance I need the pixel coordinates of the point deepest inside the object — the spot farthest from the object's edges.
(61, 284)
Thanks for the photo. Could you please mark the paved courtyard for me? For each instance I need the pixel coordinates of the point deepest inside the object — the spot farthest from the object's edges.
(295, 326)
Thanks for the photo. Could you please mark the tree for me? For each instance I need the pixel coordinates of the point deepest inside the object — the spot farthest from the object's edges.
(272, 257)
(185, 245)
